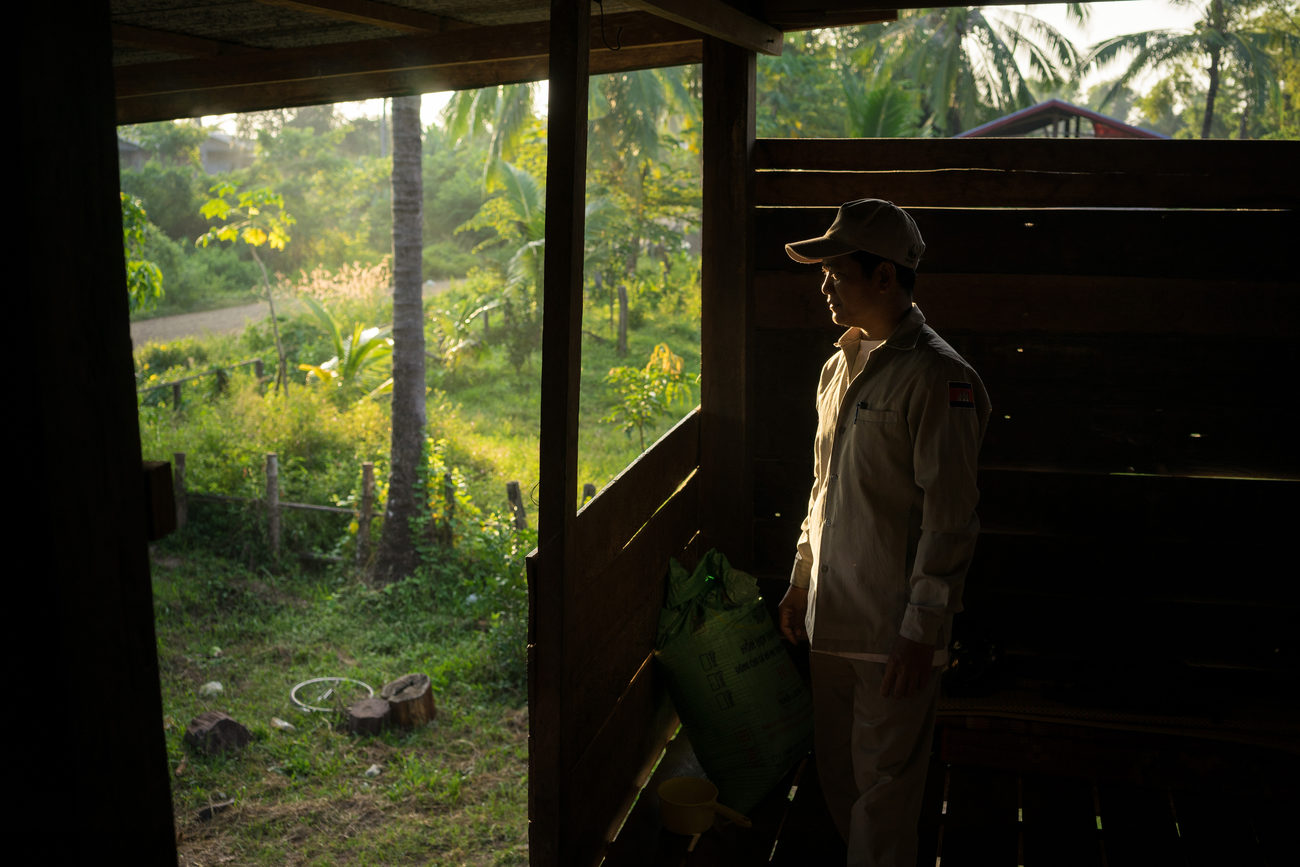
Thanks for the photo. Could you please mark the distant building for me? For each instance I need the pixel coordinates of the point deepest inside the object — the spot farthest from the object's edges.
(1057, 119)
(219, 152)
(130, 155)
(222, 152)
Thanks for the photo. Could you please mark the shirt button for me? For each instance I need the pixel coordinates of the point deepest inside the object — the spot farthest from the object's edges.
(834, 476)
(840, 429)
(825, 569)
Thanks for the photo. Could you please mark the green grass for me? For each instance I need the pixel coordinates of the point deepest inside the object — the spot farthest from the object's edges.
(453, 792)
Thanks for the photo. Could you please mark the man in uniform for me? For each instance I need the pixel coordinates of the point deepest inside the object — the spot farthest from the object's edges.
(890, 529)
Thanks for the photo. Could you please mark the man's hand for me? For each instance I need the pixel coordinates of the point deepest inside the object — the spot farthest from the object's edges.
(793, 605)
(908, 669)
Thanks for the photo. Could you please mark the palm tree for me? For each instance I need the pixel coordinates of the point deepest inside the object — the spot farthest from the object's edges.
(397, 556)
(968, 63)
(877, 103)
(1228, 36)
(502, 113)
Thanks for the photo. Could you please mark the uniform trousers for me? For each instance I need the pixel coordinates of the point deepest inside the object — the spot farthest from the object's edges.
(873, 754)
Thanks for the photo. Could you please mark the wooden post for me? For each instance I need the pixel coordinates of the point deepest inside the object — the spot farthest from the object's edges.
(367, 511)
(588, 491)
(178, 489)
(81, 461)
(273, 502)
(258, 368)
(176, 396)
(550, 586)
(726, 303)
(516, 500)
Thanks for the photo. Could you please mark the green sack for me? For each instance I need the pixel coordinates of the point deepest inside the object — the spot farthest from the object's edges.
(745, 709)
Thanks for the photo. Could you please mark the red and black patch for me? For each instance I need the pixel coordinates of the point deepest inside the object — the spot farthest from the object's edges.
(961, 394)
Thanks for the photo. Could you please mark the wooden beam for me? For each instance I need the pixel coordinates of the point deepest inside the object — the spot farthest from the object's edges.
(718, 19)
(1058, 304)
(471, 46)
(384, 15)
(550, 794)
(726, 304)
(251, 97)
(818, 19)
(1275, 160)
(469, 59)
(999, 188)
(1132, 242)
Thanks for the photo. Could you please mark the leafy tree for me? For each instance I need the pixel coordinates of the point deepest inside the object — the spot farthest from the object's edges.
(397, 556)
(342, 202)
(144, 284)
(798, 90)
(453, 194)
(256, 218)
(643, 181)
(643, 394)
(172, 194)
(517, 217)
(171, 143)
(1230, 39)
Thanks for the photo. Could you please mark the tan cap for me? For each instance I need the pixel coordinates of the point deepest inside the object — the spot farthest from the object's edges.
(872, 225)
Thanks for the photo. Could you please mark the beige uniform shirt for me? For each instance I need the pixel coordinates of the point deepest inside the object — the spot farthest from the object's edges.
(891, 522)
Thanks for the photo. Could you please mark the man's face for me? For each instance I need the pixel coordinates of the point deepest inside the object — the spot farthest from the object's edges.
(850, 294)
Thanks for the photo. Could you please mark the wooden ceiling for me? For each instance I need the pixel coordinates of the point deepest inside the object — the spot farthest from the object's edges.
(184, 58)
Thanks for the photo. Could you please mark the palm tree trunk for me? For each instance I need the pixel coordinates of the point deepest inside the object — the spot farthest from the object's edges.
(1218, 23)
(1211, 92)
(397, 556)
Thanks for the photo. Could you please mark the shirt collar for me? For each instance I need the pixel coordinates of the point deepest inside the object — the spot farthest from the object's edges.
(904, 336)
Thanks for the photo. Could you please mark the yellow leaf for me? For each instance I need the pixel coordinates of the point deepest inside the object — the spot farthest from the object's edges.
(254, 236)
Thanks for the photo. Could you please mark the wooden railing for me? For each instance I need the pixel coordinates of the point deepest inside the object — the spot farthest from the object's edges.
(614, 719)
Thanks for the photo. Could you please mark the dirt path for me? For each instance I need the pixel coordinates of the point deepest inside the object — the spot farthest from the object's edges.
(228, 320)
(225, 321)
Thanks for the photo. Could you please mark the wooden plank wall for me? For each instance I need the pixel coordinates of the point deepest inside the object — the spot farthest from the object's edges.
(614, 717)
(1133, 308)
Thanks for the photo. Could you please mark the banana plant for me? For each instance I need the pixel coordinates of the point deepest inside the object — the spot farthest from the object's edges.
(354, 352)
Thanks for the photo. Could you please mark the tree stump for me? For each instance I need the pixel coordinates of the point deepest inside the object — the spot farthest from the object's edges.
(212, 732)
(412, 699)
(369, 716)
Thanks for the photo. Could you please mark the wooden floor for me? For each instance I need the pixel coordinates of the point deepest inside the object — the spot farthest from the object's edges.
(977, 815)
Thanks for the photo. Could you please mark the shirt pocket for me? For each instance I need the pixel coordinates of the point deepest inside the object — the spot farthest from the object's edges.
(882, 450)
(878, 416)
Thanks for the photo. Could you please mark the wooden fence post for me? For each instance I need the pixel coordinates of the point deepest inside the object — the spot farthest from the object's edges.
(178, 488)
(176, 396)
(588, 491)
(258, 369)
(273, 502)
(516, 500)
(367, 511)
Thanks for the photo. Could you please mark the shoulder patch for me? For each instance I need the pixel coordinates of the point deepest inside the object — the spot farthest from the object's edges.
(960, 394)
